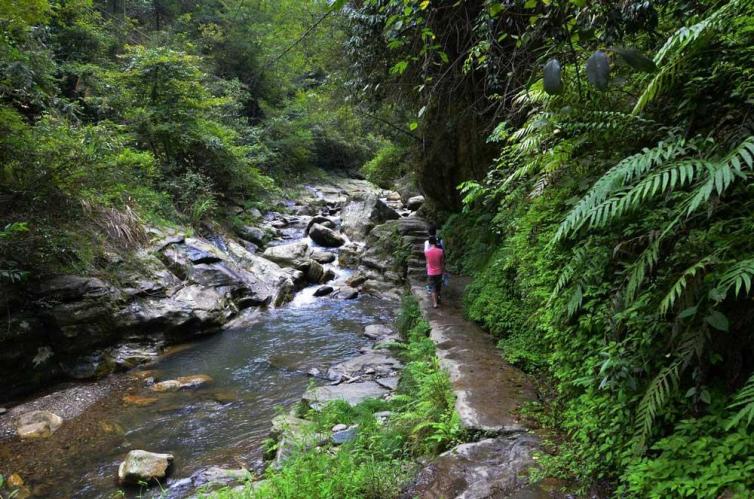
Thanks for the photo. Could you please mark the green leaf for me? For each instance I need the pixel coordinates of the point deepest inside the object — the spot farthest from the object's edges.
(689, 312)
(399, 67)
(413, 126)
(718, 321)
(530, 4)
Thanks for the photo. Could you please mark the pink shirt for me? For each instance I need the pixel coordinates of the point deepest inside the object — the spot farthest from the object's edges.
(434, 257)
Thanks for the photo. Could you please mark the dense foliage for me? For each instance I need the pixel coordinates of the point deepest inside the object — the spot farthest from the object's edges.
(117, 113)
(610, 236)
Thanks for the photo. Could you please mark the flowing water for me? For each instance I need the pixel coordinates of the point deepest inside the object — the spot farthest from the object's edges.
(258, 370)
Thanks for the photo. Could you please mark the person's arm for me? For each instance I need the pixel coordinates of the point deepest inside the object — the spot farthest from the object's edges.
(426, 245)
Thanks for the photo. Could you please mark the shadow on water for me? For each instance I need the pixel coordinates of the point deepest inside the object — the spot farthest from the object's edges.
(257, 369)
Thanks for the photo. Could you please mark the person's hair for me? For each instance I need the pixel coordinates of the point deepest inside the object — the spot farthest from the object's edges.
(432, 230)
(432, 241)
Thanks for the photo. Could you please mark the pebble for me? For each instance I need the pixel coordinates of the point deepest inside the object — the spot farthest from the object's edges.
(3, 410)
(15, 480)
(339, 427)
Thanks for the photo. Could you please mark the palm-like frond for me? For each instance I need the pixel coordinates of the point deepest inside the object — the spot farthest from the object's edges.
(616, 178)
(681, 47)
(665, 384)
(744, 402)
(680, 285)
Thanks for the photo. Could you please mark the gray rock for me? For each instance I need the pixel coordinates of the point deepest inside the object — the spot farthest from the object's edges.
(356, 280)
(37, 424)
(252, 234)
(495, 467)
(323, 291)
(326, 237)
(351, 393)
(266, 280)
(391, 382)
(128, 356)
(348, 293)
(314, 272)
(378, 363)
(379, 332)
(382, 416)
(319, 219)
(3, 410)
(339, 427)
(415, 202)
(143, 466)
(68, 288)
(214, 475)
(323, 257)
(363, 212)
(288, 255)
(349, 254)
(292, 433)
(343, 436)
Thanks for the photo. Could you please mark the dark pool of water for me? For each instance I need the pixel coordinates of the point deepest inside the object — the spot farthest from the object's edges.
(257, 370)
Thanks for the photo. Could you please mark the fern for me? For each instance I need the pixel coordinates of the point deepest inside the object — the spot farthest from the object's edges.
(616, 178)
(679, 287)
(665, 385)
(681, 46)
(611, 198)
(744, 402)
(739, 276)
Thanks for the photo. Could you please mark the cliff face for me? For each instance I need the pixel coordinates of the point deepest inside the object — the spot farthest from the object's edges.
(454, 150)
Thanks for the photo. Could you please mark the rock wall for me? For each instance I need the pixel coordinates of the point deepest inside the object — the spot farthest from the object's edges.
(69, 326)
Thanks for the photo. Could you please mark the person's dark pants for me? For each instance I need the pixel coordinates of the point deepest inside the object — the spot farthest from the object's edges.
(435, 283)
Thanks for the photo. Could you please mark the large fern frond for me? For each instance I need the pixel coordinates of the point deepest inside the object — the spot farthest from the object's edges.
(681, 45)
(665, 384)
(738, 276)
(744, 402)
(616, 179)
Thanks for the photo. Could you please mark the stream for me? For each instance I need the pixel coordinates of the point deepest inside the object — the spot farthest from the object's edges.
(258, 370)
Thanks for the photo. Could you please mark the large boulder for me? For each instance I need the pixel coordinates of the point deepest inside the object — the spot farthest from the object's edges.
(321, 256)
(143, 466)
(191, 310)
(326, 237)
(363, 212)
(321, 220)
(494, 467)
(266, 280)
(288, 255)
(314, 272)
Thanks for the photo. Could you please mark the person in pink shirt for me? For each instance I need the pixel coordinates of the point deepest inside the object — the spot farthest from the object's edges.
(435, 256)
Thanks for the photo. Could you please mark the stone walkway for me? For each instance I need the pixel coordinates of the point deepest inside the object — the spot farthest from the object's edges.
(488, 391)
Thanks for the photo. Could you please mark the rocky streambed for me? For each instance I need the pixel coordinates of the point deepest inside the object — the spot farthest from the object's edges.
(305, 294)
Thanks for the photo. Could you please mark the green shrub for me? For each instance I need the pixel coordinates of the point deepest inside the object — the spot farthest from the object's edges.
(699, 459)
(387, 166)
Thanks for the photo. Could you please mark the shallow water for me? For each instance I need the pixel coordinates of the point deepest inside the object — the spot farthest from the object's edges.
(258, 370)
